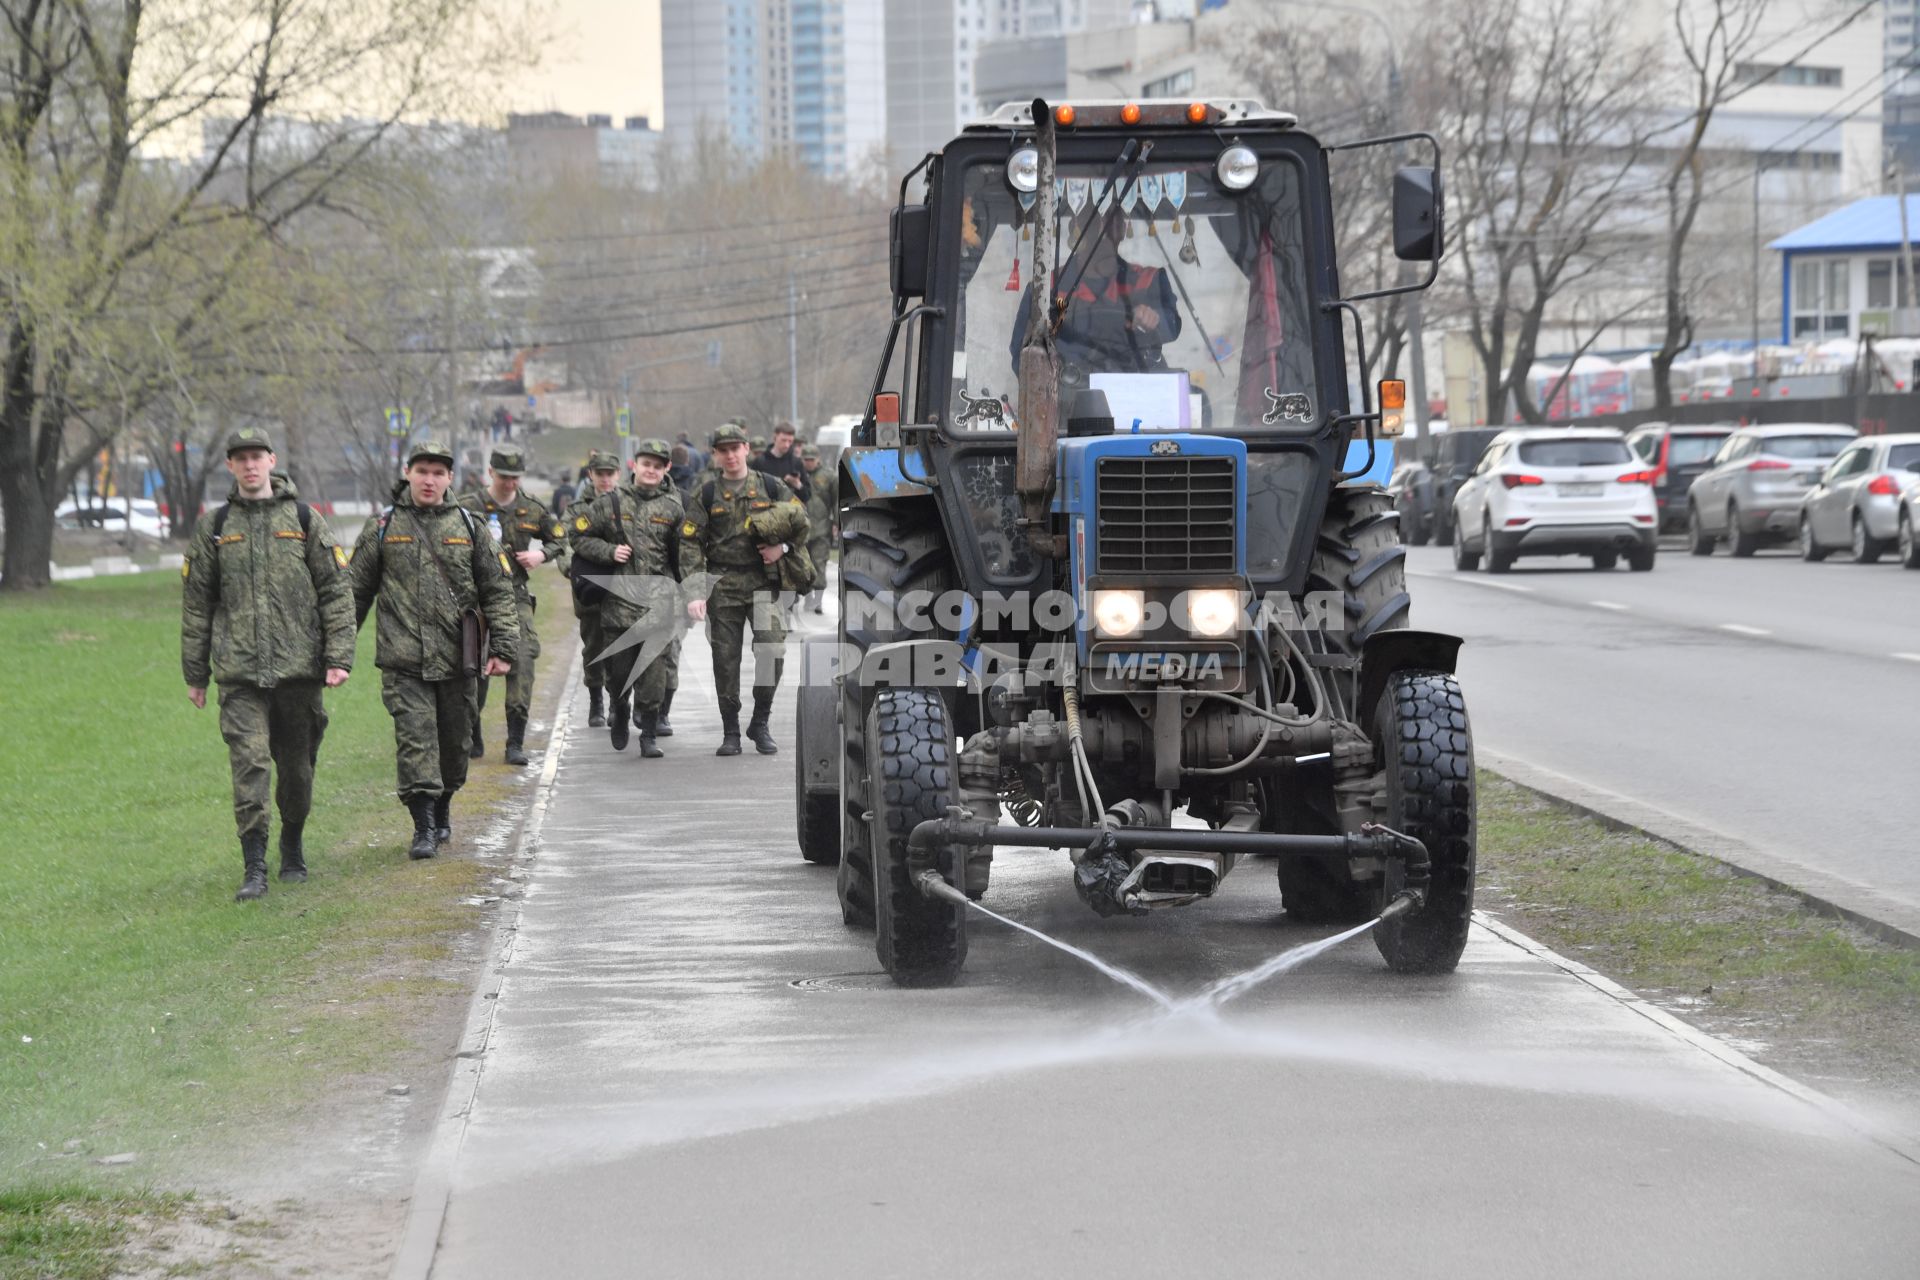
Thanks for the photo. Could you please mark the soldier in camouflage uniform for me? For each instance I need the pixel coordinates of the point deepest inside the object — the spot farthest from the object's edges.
(823, 511)
(636, 528)
(604, 471)
(426, 560)
(530, 536)
(740, 525)
(266, 612)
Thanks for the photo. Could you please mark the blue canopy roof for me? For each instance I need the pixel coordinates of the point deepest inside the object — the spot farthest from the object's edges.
(1872, 223)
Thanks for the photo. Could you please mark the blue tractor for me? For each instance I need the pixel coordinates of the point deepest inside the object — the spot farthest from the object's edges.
(1117, 576)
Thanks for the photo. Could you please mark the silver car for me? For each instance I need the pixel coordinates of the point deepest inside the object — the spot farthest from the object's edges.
(1856, 501)
(1751, 495)
(1907, 536)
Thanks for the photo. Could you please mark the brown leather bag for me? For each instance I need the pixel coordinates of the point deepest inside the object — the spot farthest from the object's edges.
(473, 623)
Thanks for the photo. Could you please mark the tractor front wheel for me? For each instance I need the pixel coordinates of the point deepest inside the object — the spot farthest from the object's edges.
(921, 940)
(1426, 746)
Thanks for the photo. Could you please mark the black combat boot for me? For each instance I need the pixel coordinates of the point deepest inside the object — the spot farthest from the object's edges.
(649, 729)
(442, 819)
(293, 858)
(596, 713)
(421, 807)
(622, 711)
(478, 747)
(661, 727)
(729, 734)
(757, 727)
(516, 738)
(254, 850)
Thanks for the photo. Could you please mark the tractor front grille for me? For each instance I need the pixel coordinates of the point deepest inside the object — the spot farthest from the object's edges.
(1165, 515)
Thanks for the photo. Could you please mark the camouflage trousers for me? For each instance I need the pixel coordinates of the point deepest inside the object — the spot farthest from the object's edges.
(817, 551)
(277, 730)
(742, 598)
(431, 731)
(520, 679)
(651, 685)
(591, 645)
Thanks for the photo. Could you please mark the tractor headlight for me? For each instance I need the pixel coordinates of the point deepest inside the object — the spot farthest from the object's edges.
(1213, 612)
(1119, 613)
(1237, 167)
(1023, 170)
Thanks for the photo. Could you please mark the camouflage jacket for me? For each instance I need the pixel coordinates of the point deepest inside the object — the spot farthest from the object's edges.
(649, 523)
(419, 627)
(729, 521)
(267, 602)
(821, 505)
(528, 521)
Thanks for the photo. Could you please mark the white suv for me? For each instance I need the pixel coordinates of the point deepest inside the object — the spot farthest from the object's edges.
(1546, 491)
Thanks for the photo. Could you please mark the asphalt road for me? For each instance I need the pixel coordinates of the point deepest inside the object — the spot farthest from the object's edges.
(1771, 700)
(695, 1070)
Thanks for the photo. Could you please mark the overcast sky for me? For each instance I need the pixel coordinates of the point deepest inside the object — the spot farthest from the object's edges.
(605, 57)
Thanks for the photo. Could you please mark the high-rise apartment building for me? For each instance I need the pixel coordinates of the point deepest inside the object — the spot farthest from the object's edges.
(713, 54)
(934, 52)
(801, 77)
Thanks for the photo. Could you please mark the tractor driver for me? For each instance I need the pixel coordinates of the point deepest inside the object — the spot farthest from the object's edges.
(1118, 317)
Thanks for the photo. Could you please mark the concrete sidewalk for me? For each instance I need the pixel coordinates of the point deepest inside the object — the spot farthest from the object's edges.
(694, 1069)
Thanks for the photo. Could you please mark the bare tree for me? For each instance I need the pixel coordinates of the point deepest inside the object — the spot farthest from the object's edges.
(120, 259)
(1718, 43)
(1545, 115)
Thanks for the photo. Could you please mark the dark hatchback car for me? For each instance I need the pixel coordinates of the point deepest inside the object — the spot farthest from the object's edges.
(1677, 454)
(1423, 491)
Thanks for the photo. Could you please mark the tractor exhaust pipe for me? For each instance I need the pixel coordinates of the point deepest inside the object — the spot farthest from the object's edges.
(1033, 464)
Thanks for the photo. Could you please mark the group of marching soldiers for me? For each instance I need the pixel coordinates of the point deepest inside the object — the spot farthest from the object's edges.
(271, 605)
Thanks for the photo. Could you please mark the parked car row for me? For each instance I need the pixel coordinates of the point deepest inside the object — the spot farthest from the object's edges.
(1593, 491)
(138, 515)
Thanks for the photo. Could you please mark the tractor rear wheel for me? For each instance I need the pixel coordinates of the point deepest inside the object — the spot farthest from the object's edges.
(921, 940)
(886, 553)
(1426, 746)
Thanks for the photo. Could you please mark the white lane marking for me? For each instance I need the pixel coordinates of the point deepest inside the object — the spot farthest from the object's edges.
(1608, 604)
(1910, 657)
(1741, 629)
(1475, 581)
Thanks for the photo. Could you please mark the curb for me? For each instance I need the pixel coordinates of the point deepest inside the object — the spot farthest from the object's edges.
(1712, 1046)
(433, 1186)
(1830, 895)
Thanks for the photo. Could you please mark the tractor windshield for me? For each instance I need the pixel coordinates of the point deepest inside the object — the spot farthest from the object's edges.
(1186, 303)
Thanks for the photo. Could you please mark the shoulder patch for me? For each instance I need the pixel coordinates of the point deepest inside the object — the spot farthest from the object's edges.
(689, 530)
(340, 556)
(581, 523)
(559, 530)
(504, 566)
(186, 568)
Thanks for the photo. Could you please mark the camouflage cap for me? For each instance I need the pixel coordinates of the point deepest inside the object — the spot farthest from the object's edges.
(809, 453)
(434, 450)
(759, 444)
(248, 438)
(653, 447)
(729, 433)
(599, 460)
(508, 462)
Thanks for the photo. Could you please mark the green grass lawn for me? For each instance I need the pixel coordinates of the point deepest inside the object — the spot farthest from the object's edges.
(141, 1009)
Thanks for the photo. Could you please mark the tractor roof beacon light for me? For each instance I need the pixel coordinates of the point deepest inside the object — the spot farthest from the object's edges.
(1023, 170)
(1237, 167)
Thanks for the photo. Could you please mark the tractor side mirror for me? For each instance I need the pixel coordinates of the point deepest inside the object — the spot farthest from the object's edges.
(910, 234)
(1418, 233)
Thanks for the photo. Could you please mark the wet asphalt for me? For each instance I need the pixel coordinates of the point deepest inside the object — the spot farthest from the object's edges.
(697, 1070)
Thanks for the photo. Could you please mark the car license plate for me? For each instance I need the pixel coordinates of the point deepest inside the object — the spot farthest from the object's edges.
(1580, 490)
